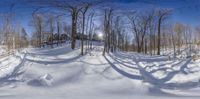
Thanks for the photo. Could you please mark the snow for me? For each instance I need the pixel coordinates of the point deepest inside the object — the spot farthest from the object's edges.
(9, 65)
(2, 49)
(63, 73)
(45, 80)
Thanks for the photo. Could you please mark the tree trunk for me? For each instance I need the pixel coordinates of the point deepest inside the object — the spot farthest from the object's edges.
(158, 46)
(74, 26)
(83, 29)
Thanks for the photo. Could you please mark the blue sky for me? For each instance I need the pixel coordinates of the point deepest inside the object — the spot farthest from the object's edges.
(185, 11)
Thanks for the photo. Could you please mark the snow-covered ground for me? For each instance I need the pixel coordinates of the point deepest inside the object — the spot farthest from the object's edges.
(61, 73)
(2, 51)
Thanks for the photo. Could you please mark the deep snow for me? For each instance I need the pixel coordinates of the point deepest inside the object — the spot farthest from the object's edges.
(61, 73)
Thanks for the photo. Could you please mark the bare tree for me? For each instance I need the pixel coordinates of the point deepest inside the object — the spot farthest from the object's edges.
(84, 11)
(58, 31)
(8, 33)
(52, 27)
(90, 30)
(139, 27)
(179, 29)
(107, 29)
(38, 21)
(197, 35)
(162, 14)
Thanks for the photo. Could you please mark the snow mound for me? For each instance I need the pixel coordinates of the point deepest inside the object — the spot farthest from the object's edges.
(45, 80)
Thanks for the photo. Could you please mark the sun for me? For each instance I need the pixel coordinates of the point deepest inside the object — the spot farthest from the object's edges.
(100, 35)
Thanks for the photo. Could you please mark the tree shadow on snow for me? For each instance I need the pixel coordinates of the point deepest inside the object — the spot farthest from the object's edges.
(147, 76)
(53, 51)
(131, 76)
(11, 78)
(58, 61)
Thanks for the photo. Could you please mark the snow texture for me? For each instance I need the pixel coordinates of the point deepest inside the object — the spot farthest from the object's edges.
(62, 73)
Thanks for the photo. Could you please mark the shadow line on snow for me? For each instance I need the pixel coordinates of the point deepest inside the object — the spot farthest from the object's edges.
(16, 72)
(53, 51)
(143, 58)
(160, 83)
(55, 62)
(131, 76)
